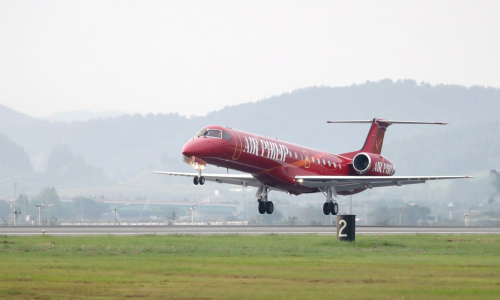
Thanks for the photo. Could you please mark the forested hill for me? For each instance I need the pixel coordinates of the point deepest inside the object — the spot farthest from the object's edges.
(124, 145)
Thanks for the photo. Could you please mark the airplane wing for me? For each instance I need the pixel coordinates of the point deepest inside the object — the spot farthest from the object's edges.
(348, 183)
(237, 179)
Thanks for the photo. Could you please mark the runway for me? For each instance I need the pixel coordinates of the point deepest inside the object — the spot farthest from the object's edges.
(252, 230)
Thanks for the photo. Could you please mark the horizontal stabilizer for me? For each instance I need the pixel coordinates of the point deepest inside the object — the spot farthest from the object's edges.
(375, 138)
(388, 122)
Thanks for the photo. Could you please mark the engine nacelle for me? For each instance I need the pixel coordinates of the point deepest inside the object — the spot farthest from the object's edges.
(372, 165)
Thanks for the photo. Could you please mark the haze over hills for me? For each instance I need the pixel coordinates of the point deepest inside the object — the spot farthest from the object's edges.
(71, 116)
(124, 147)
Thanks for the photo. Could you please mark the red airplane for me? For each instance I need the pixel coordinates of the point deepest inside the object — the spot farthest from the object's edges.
(271, 164)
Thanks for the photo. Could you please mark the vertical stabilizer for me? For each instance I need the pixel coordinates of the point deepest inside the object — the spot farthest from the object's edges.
(375, 138)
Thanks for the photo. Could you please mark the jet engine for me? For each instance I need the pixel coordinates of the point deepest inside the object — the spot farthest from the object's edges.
(372, 165)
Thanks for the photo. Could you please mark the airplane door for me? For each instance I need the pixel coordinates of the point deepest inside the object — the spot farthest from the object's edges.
(238, 148)
(307, 163)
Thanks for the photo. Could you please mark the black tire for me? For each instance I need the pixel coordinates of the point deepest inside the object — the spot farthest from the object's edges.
(335, 209)
(202, 180)
(326, 208)
(196, 180)
(262, 208)
(269, 207)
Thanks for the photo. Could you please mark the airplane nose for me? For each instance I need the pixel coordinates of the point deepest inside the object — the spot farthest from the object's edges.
(188, 149)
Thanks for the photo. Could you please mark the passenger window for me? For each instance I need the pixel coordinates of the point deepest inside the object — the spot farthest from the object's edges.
(324, 163)
(312, 157)
(301, 156)
(226, 136)
(329, 164)
(295, 155)
(334, 165)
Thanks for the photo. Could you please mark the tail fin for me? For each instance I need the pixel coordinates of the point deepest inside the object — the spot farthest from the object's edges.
(375, 138)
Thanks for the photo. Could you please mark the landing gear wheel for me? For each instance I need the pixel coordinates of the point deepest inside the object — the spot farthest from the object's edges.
(262, 208)
(202, 180)
(269, 207)
(196, 180)
(326, 208)
(335, 209)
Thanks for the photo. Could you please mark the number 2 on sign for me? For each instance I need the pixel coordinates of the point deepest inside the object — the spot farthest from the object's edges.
(342, 228)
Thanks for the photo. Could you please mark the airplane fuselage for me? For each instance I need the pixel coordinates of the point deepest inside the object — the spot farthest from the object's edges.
(272, 162)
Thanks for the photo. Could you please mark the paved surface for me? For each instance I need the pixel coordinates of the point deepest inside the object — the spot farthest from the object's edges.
(208, 230)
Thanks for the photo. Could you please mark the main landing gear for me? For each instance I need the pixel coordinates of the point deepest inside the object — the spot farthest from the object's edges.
(199, 180)
(330, 206)
(265, 206)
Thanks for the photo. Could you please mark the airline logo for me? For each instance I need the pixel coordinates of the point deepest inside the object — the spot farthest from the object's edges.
(267, 149)
(384, 168)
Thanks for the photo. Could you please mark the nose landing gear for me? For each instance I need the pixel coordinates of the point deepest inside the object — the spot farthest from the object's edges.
(199, 180)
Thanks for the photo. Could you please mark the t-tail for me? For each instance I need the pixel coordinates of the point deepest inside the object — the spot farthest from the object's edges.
(375, 139)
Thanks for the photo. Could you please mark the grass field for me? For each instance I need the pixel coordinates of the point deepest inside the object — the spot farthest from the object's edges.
(250, 267)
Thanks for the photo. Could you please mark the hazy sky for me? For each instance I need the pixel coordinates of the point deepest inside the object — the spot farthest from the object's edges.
(192, 57)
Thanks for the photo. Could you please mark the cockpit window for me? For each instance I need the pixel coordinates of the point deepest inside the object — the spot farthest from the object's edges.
(210, 133)
(201, 133)
(213, 133)
(226, 136)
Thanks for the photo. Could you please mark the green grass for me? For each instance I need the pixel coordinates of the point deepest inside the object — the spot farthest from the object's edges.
(250, 267)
